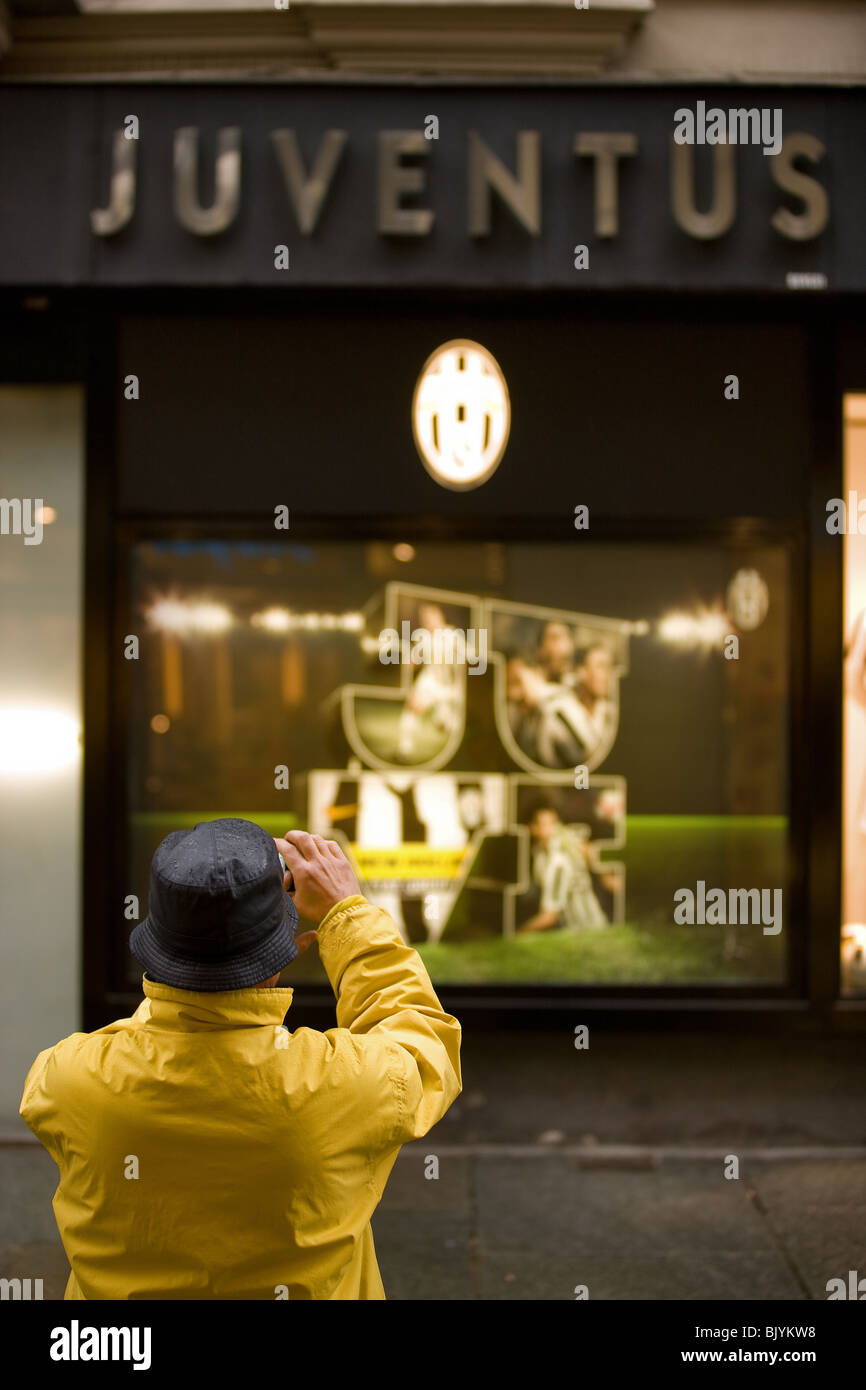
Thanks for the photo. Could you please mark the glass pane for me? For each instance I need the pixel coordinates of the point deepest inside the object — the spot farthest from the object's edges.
(551, 763)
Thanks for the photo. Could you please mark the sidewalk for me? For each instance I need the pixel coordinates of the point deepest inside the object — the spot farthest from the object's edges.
(606, 1169)
(503, 1228)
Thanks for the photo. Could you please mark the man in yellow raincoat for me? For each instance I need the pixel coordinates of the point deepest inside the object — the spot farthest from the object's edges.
(205, 1150)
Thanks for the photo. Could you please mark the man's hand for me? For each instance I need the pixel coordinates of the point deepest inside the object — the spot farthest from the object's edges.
(322, 874)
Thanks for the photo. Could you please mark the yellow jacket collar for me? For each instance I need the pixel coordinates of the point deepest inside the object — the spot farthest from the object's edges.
(183, 1008)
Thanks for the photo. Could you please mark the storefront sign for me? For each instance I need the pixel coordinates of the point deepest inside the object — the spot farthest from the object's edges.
(570, 188)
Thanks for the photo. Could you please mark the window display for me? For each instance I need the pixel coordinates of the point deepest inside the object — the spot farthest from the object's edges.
(528, 751)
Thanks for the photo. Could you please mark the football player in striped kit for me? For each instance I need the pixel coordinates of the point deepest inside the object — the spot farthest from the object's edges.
(560, 868)
(436, 691)
(545, 717)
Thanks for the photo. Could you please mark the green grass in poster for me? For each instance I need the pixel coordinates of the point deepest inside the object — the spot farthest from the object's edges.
(662, 854)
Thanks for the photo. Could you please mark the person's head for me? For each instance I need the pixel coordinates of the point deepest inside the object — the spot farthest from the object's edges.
(219, 917)
(544, 823)
(556, 650)
(523, 681)
(593, 671)
(431, 616)
(471, 804)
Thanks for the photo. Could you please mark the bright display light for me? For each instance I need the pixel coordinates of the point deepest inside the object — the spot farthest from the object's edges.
(210, 617)
(283, 620)
(273, 620)
(128, 7)
(184, 618)
(37, 742)
(703, 628)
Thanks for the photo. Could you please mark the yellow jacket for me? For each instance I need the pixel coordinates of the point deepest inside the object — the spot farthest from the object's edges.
(207, 1152)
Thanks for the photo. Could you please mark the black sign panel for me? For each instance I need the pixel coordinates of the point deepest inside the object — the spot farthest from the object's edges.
(571, 188)
(313, 409)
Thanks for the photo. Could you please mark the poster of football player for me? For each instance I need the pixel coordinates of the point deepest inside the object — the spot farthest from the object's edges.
(557, 677)
(570, 887)
(412, 838)
(431, 640)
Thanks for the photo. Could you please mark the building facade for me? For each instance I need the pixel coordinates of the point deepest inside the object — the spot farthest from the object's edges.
(531, 323)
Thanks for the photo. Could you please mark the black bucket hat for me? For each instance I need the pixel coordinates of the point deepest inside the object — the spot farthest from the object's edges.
(218, 916)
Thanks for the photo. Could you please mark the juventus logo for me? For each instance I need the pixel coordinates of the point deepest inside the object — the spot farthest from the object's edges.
(461, 415)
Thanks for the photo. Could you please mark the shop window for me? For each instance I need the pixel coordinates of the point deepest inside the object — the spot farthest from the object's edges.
(552, 765)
